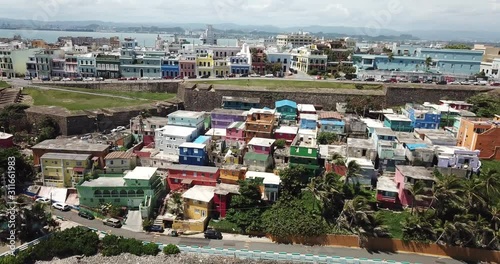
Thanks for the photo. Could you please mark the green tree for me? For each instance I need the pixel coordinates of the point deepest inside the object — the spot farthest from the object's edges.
(485, 104)
(458, 46)
(147, 224)
(13, 119)
(328, 191)
(280, 143)
(326, 138)
(390, 56)
(293, 180)
(428, 62)
(353, 170)
(175, 204)
(247, 207)
(23, 168)
(418, 191)
(358, 217)
(171, 249)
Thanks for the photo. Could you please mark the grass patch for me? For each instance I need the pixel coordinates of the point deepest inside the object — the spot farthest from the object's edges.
(224, 226)
(393, 221)
(77, 101)
(138, 95)
(4, 84)
(490, 164)
(291, 84)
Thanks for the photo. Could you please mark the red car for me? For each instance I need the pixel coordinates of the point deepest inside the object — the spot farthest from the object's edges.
(495, 84)
(318, 77)
(132, 79)
(122, 79)
(168, 77)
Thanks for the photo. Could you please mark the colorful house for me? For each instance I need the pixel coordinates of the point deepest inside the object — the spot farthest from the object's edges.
(170, 67)
(187, 66)
(169, 138)
(260, 123)
(457, 105)
(366, 173)
(308, 121)
(222, 197)
(306, 109)
(186, 176)
(271, 184)
(205, 64)
(198, 202)
(240, 103)
(187, 119)
(222, 118)
(6, 140)
(287, 109)
(288, 133)
(422, 116)
(120, 161)
(137, 190)
(481, 134)
(397, 122)
(304, 152)
(143, 129)
(331, 122)
(232, 173)
(406, 176)
(64, 169)
(261, 145)
(235, 134)
(387, 193)
(257, 162)
(221, 67)
(193, 154)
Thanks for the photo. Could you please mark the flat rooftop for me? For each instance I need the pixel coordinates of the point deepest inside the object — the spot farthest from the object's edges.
(218, 132)
(287, 130)
(120, 155)
(67, 144)
(269, 178)
(66, 156)
(105, 182)
(192, 145)
(360, 143)
(362, 162)
(387, 184)
(176, 131)
(372, 123)
(330, 115)
(233, 167)
(262, 111)
(183, 167)
(141, 173)
(241, 99)
(5, 135)
(186, 114)
(415, 172)
(306, 108)
(229, 112)
(384, 131)
(396, 117)
(200, 193)
(308, 117)
(263, 142)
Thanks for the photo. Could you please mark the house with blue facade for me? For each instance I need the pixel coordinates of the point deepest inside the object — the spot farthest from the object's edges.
(240, 103)
(383, 133)
(422, 116)
(287, 109)
(187, 119)
(170, 66)
(239, 64)
(193, 154)
(331, 122)
(389, 152)
(397, 122)
(308, 121)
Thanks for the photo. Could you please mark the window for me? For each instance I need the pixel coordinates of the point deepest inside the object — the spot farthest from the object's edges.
(203, 213)
(197, 211)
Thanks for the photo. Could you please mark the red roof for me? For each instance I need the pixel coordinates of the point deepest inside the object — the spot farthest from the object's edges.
(78, 169)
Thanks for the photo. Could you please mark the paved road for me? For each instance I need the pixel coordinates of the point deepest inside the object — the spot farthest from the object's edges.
(250, 245)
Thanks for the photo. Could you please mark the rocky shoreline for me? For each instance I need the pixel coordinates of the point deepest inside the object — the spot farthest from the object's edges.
(183, 258)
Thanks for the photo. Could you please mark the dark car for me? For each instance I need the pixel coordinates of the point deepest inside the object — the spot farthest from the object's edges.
(231, 75)
(369, 79)
(122, 79)
(45, 79)
(156, 228)
(219, 76)
(428, 81)
(86, 215)
(132, 79)
(78, 79)
(442, 82)
(192, 77)
(205, 76)
(415, 81)
(244, 75)
(213, 234)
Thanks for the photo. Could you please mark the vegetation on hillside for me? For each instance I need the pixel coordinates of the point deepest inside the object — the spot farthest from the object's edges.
(485, 104)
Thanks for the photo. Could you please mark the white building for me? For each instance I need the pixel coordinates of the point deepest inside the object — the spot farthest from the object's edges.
(170, 137)
(271, 183)
(295, 39)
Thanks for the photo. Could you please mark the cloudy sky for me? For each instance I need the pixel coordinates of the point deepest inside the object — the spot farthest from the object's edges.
(392, 14)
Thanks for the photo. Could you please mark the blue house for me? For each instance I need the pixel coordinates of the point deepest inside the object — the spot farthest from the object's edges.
(240, 103)
(399, 123)
(308, 121)
(422, 116)
(170, 67)
(331, 122)
(193, 154)
(383, 134)
(287, 109)
(239, 65)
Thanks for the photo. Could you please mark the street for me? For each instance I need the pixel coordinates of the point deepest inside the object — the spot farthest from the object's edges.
(251, 245)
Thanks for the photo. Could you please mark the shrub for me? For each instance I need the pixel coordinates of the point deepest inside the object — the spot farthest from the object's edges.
(132, 246)
(150, 249)
(110, 246)
(171, 249)
(280, 143)
(359, 86)
(146, 224)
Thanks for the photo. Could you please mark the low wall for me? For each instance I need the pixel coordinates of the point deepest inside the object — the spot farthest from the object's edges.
(194, 226)
(397, 245)
(133, 86)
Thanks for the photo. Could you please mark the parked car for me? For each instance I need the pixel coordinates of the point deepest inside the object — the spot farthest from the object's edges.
(205, 76)
(43, 200)
(270, 75)
(132, 79)
(254, 75)
(27, 78)
(87, 215)
(244, 75)
(355, 79)
(415, 81)
(66, 79)
(454, 83)
(78, 79)
(156, 78)
(100, 79)
(495, 84)
(61, 206)
(428, 81)
(88, 79)
(122, 79)
(213, 234)
(340, 79)
(464, 83)
(442, 83)
(178, 77)
(56, 79)
(156, 228)
(231, 75)
(173, 233)
(192, 77)
(219, 76)
(45, 79)
(370, 79)
(113, 222)
(145, 78)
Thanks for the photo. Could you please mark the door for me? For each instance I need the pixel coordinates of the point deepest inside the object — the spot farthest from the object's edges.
(142, 73)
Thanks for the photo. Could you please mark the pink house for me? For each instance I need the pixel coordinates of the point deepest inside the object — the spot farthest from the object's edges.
(235, 134)
(261, 145)
(187, 66)
(408, 175)
(288, 133)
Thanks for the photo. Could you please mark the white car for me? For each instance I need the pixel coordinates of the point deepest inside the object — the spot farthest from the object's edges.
(43, 200)
(269, 75)
(145, 78)
(61, 206)
(66, 79)
(454, 83)
(254, 75)
(88, 79)
(119, 128)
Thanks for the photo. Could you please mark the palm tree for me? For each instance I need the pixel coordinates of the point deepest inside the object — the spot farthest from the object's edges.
(175, 204)
(353, 170)
(428, 62)
(490, 182)
(445, 192)
(328, 191)
(390, 56)
(495, 216)
(471, 192)
(418, 191)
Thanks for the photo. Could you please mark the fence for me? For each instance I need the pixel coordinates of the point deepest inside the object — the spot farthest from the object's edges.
(26, 245)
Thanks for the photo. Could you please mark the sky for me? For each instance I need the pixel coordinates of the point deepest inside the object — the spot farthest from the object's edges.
(403, 15)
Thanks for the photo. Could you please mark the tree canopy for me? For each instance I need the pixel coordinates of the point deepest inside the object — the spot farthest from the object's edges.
(23, 170)
(485, 104)
(247, 207)
(458, 46)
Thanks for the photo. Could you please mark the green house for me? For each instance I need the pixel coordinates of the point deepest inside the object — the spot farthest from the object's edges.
(304, 152)
(399, 123)
(287, 109)
(137, 190)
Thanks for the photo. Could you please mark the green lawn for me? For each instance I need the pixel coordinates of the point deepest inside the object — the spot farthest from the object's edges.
(290, 84)
(4, 84)
(224, 226)
(77, 101)
(139, 95)
(393, 221)
(490, 164)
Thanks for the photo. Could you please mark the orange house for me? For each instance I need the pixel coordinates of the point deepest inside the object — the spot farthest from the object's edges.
(232, 173)
(260, 123)
(481, 134)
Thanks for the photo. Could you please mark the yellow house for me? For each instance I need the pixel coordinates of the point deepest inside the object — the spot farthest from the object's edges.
(64, 169)
(221, 67)
(198, 202)
(205, 64)
(232, 173)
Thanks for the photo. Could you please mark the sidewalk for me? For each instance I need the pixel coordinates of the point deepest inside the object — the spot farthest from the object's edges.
(235, 237)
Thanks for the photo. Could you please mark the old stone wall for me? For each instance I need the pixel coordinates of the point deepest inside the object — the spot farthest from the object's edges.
(132, 86)
(399, 95)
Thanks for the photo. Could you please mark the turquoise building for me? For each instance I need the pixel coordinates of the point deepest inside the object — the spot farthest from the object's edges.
(399, 123)
(287, 109)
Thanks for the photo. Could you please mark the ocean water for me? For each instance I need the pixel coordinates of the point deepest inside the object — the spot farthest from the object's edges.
(143, 39)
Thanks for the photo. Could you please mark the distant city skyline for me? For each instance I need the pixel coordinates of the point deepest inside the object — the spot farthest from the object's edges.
(401, 15)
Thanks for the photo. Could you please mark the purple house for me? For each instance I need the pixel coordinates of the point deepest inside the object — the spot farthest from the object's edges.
(222, 118)
(261, 145)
